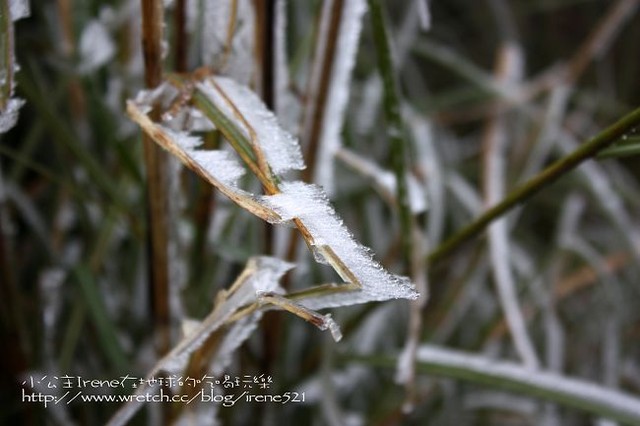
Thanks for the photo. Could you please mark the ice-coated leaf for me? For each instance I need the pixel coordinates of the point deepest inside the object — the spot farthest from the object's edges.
(216, 167)
(309, 204)
(280, 147)
(96, 47)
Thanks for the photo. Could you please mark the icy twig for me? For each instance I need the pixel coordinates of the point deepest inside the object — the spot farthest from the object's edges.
(323, 322)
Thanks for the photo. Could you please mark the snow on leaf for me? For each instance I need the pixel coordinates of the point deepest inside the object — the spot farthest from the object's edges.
(323, 230)
(216, 167)
(280, 147)
(309, 204)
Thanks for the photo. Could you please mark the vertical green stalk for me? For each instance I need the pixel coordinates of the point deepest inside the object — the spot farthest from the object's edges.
(157, 181)
(395, 129)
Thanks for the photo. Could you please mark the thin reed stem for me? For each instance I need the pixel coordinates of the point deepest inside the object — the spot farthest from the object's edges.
(157, 181)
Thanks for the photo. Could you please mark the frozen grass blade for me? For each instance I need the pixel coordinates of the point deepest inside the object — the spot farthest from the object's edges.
(549, 175)
(566, 391)
(268, 149)
(574, 393)
(216, 167)
(509, 67)
(333, 244)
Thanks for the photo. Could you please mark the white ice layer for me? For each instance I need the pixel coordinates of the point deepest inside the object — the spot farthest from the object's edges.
(96, 47)
(219, 164)
(338, 97)
(19, 9)
(9, 116)
(184, 140)
(310, 204)
(280, 148)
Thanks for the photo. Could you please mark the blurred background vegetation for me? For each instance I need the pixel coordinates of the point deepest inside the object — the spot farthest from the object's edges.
(489, 93)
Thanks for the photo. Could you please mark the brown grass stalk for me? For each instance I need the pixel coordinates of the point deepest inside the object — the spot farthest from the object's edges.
(156, 166)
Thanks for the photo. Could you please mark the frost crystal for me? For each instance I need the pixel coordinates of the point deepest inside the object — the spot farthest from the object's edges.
(309, 204)
(219, 164)
(280, 148)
